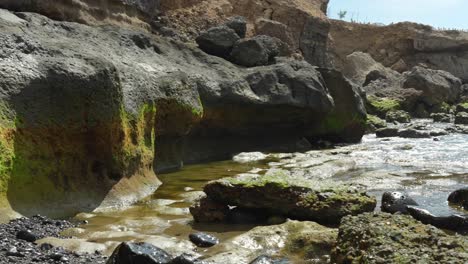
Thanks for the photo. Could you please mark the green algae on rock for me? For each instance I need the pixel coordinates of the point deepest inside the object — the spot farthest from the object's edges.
(315, 200)
(386, 238)
(380, 106)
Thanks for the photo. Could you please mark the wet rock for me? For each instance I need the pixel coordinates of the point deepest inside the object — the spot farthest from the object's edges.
(441, 117)
(249, 157)
(459, 197)
(461, 118)
(203, 240)
(246, 216)
(437, 133)
(307, 241)
(238, 24)
(413, 133)
(398, 116)
(144, 253)
(462, 107)
(26, 235)
(218, 41)
(437, 86)
(374, 123)
(454, 222)
(265, 259)
(386, 132)
(321, 201)
(207, 210)
(256, 51)
(386, 238)
(186, 259)
(393, 202)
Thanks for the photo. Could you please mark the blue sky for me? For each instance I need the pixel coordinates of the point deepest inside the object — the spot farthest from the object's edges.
(437, 13)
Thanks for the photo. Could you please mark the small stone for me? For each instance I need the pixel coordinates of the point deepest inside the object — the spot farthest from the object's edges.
(46, 246)
(26, 235)
(203, 240)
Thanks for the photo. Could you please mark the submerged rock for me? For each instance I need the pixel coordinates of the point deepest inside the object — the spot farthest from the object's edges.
(393, 202)
(386, 238)
(297, 198)
(265, 259)
(143, 253)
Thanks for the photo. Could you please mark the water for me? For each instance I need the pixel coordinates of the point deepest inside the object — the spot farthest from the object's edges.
(426, 169)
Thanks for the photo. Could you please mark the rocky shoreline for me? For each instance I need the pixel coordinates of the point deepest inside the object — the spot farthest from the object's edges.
(17, 242)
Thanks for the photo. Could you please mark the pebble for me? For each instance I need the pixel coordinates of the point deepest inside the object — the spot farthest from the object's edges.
(203, 240)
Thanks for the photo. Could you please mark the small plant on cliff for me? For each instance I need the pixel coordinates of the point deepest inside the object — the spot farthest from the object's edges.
(342, 14)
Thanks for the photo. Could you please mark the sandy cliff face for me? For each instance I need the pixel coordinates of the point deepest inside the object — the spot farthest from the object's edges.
(134, 13)
(402, 46)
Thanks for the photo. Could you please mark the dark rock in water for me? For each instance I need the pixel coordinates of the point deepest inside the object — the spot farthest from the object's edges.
(217, 41)
(26, 235)
(264, 259)
(386, 132)
(203, 240)
(462, 107)
(238, 24)
(459, 197)
(141, 253)
(246, 216)
(256, 51)
(207, 210)
(186, 259)
(413, 133)
(393, 202)
(441, 117)
(454, 222)
(461, 118)
(437, 133)
(398, 116)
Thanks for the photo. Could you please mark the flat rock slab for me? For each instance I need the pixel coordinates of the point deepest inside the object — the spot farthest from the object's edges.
(316, 200)
(386, 238)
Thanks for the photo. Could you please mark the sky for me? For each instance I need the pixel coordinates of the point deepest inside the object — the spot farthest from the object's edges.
(450, 14)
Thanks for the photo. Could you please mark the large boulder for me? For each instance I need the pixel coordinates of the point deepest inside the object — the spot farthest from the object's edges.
(256, 51)
(437, 86)
(292, 197)
(347, 121)
(238, 24)
(386, 238)
(218, 41)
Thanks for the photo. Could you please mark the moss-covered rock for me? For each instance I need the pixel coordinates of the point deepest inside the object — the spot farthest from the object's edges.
(463, 107)
(385, 238)
(399, 116)
(380, 106)
(297, 198)
(374, 122)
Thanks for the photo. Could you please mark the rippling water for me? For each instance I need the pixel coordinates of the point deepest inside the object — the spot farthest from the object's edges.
(428, 170)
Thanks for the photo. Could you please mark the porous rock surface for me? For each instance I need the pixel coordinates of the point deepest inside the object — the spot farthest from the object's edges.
(83, 107)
